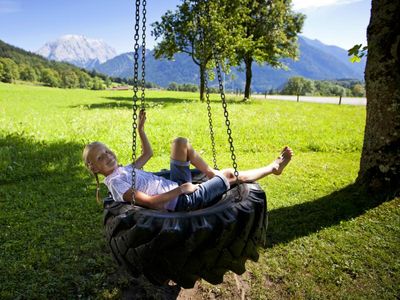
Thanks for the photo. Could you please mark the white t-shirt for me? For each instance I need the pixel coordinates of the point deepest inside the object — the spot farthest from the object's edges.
(119, 181)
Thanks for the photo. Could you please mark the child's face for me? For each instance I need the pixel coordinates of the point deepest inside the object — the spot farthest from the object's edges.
(102, 160)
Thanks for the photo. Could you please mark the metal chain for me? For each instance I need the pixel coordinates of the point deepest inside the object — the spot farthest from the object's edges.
(224, 104)
(210, 122)
(214, 152)
(226, 114)
(142, 103)
(135, 97)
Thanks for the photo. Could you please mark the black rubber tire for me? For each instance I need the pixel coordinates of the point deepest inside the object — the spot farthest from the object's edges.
(186, 246)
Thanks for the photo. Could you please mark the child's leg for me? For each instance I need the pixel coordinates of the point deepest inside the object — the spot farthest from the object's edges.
(182, 150)
(276, 167)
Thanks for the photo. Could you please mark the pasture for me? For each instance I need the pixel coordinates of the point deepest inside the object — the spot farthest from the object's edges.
(325, 239)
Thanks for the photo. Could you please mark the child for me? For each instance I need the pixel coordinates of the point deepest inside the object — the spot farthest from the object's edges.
(178, 193)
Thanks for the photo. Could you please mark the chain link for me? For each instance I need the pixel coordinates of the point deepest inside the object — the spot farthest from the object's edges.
(135, 97)
(226, 114)
(142, 103)
(214, 152)
(200, 31)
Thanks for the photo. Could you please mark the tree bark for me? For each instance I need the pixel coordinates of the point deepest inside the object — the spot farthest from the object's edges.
(248, 62)
(380, 159)
(202, 82)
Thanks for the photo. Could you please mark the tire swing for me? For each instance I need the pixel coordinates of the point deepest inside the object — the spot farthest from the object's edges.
(186, 246)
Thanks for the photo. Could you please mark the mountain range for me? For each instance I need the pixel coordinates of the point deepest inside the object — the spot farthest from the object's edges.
(78, 50)
(317, 61)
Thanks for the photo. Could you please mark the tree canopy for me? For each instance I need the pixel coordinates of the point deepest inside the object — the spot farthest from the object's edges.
(200, 29)
(271, 29)
(237, 31)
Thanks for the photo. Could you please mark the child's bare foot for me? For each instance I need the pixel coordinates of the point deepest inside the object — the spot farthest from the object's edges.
(282, 161)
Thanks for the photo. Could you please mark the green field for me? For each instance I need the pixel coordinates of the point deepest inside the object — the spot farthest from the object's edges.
(326, 239)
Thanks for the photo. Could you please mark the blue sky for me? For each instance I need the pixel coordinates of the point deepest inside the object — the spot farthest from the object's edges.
(29, 24)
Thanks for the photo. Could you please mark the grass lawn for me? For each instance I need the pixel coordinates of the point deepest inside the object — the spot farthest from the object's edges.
(326, 240)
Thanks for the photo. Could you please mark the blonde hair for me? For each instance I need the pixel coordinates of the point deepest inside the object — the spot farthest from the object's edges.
(85, 155)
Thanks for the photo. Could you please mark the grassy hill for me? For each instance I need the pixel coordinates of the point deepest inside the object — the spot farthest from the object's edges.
(326, 239)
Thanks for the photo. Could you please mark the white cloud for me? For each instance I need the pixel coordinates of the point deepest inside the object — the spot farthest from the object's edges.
(312, 4)
(7, 6)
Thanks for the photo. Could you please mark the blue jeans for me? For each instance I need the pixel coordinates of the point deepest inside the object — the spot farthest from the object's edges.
(206, 195)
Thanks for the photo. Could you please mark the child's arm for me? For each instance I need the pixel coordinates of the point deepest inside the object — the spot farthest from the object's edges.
(147, 152)
(158, 201)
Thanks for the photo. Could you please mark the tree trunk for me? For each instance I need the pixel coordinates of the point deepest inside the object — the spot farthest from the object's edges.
(202, 82)
(248, 61)
(380, 159)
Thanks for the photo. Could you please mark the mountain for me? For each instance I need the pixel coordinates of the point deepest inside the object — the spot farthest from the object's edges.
(78, 50)
(160, 71)
(317, 61)
(18, 64)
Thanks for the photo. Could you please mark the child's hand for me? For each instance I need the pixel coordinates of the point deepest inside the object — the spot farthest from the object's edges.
(142, 119)
(188, 188)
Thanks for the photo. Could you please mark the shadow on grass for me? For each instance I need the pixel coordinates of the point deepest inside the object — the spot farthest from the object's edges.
(23, 158)
(51, 229)
(126, 102)
(289, 223)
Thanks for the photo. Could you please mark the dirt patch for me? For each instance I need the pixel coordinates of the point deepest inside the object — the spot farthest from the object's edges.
(233, 287)
(141, 288)
(191, 294)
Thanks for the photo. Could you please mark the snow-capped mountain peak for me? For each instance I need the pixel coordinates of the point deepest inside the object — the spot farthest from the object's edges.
(78, 50)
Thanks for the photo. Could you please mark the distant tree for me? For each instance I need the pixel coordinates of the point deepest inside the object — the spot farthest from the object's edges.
(298, 86)
(338, 90)
(322, 88)
(69, 79)
(84, 80)
(50, 77)
(213, 90)
(172, 86)
(187, 87)
(358, 90)
(270, 34)
(1, 71)
(108, 81)
(97, 84)
(27, 73)
(151, 85)
(10, 71)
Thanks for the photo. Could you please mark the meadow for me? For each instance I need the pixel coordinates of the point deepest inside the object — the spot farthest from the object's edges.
(326, 239)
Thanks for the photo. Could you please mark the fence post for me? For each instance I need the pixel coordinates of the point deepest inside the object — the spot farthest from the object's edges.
(298, 96)
(340, 99)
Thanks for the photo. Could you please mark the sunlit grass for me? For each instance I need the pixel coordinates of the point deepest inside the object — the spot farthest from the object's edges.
(320, 243)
